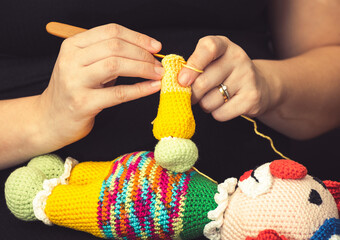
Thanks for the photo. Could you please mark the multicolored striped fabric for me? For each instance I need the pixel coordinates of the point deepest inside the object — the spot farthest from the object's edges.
(140, 199)
(132, 197)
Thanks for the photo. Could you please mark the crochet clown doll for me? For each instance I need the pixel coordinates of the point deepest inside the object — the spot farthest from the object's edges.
(158, 195)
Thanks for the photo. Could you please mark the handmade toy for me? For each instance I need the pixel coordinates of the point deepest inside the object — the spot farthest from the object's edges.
(134, 197)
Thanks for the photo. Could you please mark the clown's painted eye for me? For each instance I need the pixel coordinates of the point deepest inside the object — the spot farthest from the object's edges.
(314, 197)
(257, 181)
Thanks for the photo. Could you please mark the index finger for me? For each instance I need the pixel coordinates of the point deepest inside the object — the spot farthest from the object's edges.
(83, 37)
(207, 50)
(113, 30)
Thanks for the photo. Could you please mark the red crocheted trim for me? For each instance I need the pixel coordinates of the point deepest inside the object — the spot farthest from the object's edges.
(287, 169)
(268, 234)
(246, 175)
(334, 188)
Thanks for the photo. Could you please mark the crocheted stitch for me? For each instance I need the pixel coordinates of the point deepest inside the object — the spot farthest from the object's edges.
(285, 208)
(39, 202)
(176, 154)
(267, 234)
(133, 197)
(50, 164)
(174, 117)
(334, 189)
(287, 169)
(329, 230)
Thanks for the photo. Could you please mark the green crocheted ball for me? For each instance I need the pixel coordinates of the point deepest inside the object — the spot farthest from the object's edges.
(20, 189)
(176, 154)
(50, 164)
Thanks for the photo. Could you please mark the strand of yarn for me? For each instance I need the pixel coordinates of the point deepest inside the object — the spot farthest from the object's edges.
(247, 118)
(183, 63)
(264, 136)
(207, 177)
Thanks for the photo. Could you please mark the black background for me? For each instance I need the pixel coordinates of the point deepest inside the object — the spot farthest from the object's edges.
(27, 55)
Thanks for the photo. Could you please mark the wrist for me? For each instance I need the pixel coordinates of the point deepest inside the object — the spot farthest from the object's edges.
(44, 137)
(274, 89)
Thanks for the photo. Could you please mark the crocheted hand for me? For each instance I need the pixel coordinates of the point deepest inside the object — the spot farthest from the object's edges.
(129, 197)
(174, 124)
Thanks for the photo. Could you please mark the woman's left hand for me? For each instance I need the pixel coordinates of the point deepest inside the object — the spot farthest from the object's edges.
(226, 63)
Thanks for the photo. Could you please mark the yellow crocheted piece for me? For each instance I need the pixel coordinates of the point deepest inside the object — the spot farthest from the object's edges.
(75, 205)
(174, 117)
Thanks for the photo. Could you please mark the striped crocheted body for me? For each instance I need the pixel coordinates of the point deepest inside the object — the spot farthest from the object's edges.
(132, 197)
(139, 199)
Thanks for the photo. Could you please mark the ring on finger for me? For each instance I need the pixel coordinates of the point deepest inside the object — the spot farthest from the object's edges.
(224, 90)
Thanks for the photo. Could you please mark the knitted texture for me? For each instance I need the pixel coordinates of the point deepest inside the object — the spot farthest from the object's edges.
(176, 154)
(20, 189)
(334, 189)
(174, 117)
(133, 197)
(50, 164)
(291, 207)
(328, 230)
(24, 183)
(287, 169)
(268, 234)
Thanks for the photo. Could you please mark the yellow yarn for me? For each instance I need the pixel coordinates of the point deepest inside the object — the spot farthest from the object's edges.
(79, 199)
(264, 136)
(88, 171)
(174, 117)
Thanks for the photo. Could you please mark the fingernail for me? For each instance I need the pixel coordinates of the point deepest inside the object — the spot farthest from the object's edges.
(156, 84)
(159, 70)
(183, 79)
(155, 44)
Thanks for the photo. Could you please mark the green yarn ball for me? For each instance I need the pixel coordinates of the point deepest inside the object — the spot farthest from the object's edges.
(20, 189)
(50, 164)
(176, 154)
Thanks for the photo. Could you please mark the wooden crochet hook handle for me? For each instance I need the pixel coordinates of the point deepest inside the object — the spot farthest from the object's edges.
(63, 30)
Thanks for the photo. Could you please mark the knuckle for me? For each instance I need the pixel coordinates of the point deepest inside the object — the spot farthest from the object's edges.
(77, 102)
(145, 69)
(145, 55)
(194, 59)
(140, 39)
(114, 45)
(217, 116)
(253, 110)
(239, 54)
(224, 38)
(112, 66)
(63, 64)
(120, 94)
(201, 83)
(66, 44)
(250, 73)
(205, 105)
(254, 96)
(139, 89)
(210, 43)
(112, 29)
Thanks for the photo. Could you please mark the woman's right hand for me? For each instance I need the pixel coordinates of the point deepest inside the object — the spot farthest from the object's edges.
(82, 82)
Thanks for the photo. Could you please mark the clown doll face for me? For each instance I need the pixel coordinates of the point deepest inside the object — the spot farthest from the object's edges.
(279, 196)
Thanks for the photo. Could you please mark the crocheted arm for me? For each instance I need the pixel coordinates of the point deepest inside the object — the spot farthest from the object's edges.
(174, 124)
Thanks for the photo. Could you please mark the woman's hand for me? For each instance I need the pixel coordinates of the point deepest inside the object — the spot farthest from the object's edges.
(82, 81)
(226, 63)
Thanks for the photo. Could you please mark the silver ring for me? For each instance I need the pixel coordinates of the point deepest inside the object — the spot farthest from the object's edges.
(224, 90)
